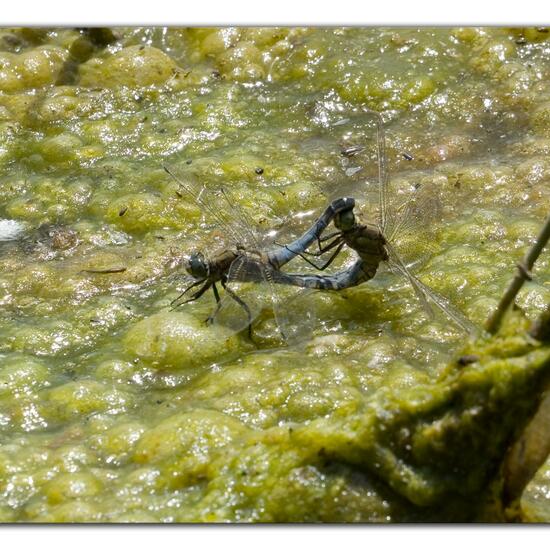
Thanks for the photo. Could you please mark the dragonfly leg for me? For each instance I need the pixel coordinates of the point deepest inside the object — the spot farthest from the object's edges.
(329, 246)
(328, 262)
(336, 242)
(243, 305)
(319, 241)
(211, 317)
(194, 284)
(216, 293)
(331, 259)
(195, 296)
(327, 237)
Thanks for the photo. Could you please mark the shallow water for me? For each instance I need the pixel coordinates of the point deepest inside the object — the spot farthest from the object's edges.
(113, 407)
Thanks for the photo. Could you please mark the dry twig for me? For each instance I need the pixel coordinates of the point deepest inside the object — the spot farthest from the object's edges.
(523, 274)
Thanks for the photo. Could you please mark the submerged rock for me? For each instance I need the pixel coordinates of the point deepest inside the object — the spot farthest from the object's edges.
(178, 340)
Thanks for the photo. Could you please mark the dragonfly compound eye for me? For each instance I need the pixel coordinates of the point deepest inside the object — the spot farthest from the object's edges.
(345, 220)
(197, 266)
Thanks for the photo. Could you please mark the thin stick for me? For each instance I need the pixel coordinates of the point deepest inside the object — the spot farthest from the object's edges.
(108, 270)
(523, 274)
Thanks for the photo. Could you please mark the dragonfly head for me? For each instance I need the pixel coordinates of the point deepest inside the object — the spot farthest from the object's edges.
(197, 266)
(345, 220)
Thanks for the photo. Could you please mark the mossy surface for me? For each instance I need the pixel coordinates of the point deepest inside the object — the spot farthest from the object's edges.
(113, 407)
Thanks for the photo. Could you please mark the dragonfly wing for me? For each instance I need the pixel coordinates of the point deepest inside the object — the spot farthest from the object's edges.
(420, 210)
(428, 297)
(241, 303)
(386, 209)
(293, 313)
(399, 222)
(402, 214)
(251, 288)
(396, 265)
(226, 216)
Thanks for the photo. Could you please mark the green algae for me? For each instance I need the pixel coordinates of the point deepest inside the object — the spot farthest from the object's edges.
(176, 339)
(113, 408)
(534, 501)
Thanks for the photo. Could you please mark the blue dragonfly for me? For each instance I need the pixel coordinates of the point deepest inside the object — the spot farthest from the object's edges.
(378, 243)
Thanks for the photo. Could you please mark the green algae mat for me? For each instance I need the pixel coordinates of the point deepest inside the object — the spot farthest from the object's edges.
(116, 408)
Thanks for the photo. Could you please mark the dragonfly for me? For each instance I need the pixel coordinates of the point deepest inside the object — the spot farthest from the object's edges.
(377, 243)
(246, 260)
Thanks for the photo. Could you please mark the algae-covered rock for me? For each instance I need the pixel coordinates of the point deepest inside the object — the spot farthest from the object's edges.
(73, 511)
(85, 397)
(138, 212)
(31, 69)
(418, 89)
(178, 340)
(114, 408)
(20, 374)
(131, 66)
(116, 370)
(190, 434)
(116, 443)
(534, 503)
(71, 486)
(74, 330)
(442, 439)
(67, 456)
(492, 54)
(437, 445)
(541, 119)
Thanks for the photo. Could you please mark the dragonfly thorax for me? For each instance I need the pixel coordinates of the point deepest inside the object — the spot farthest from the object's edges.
(368, 242)
(365, 239)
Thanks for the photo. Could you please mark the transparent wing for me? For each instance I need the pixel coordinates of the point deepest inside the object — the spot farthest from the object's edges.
(254, 268)
(417, 218)
(407, 222)
(249, 286)
(242, 301)
(361, 138)
(250, 289)
(293, 308)
(417, 211)
(385, 213)
(401, 213)
(429, 297)
(239, 213)
(394, 215)
(226, 215)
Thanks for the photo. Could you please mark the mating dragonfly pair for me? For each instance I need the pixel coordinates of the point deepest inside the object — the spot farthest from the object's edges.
(247, 261)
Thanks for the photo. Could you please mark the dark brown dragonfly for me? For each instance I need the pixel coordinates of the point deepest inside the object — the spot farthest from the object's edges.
(245, 259)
